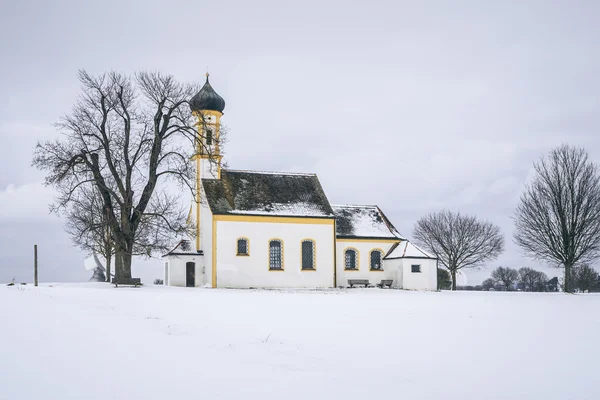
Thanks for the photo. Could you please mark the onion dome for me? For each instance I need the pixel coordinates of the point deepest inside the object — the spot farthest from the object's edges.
(207, 99)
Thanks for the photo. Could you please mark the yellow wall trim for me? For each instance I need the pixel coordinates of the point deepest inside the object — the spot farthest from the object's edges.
(274, 220)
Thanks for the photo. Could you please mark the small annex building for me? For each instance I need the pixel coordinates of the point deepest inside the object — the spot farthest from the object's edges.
(259, 229)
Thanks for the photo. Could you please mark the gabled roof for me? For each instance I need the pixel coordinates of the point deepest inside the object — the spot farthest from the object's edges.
(185, 247)
(366, 222)
(267, 193)
(407, 250)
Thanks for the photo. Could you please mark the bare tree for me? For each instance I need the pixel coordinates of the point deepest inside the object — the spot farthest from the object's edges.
(488, 284)
(459, 241)
(505, 277)
(128, 137)
(443, 278)
(540, 282)
(558, 218)
(532, 280)
(87, 224)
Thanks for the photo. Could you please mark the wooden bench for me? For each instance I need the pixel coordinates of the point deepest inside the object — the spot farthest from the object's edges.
(364, 282)
(135, 282)
(385, 282)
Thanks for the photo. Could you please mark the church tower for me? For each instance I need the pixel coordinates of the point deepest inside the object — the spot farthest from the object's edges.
(207, 106)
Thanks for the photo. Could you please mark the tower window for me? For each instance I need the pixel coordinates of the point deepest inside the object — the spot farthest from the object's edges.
(351, 259)
(242, 247)
(209, 137)
(376, 264)
(275, 255)
(308, 254)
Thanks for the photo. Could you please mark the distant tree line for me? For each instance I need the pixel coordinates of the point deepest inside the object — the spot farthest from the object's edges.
(584, 278)
(557, 221)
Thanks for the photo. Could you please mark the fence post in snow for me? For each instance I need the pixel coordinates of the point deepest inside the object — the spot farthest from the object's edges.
(35, 274)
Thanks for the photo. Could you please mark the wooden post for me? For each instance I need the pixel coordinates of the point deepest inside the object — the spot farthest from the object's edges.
(35, 265)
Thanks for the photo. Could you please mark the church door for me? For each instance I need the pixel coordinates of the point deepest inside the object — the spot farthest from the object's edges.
(190, 274)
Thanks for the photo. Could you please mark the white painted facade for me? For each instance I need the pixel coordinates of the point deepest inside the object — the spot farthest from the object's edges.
(291, 208)
(401, 270)
(364, 271)
(235, 271)
(176, 270)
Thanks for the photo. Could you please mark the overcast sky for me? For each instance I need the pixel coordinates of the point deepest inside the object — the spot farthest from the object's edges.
(413, 106)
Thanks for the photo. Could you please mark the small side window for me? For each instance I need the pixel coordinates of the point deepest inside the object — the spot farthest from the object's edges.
(415, 268)
(242, 247)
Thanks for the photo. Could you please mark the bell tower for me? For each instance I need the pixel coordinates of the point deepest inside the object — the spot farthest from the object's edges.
(207, 106)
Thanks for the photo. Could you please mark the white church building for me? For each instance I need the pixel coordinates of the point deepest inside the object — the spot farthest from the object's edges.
(259, 229)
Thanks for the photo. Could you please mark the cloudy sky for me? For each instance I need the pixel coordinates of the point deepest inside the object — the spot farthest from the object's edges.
(411, 105)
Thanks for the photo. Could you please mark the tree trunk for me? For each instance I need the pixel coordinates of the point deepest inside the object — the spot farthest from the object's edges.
(568, 283)
(108, 258)
(108, 262)
(122, 264)
(453, 273)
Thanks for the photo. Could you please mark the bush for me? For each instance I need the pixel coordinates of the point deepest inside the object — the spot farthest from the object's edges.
(444, 280)
(158, 281)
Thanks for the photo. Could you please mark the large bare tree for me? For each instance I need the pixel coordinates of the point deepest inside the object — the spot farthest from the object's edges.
(127, 137)
(459, 241)
(558, 218)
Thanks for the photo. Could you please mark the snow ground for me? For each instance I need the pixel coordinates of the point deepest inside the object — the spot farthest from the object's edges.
(76, 341)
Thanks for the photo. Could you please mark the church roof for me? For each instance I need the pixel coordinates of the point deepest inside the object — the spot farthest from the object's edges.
(207, 99)
(407, 250)
(367, 222)
(267, 193)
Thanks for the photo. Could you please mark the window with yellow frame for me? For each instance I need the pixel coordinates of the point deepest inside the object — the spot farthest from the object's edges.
(351, 259)
(243, 246)
(275, 255)
(308, 255)
(376, 260)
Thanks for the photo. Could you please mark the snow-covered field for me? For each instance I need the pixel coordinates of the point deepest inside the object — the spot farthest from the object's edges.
(91, 341)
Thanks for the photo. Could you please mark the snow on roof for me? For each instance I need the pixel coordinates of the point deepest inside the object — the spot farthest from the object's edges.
(271, 172)
(185, 247)
(267, 193)
(407, 250)
(363, 221)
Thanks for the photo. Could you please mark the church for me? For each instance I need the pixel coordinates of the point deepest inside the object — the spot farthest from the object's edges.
(258, 229)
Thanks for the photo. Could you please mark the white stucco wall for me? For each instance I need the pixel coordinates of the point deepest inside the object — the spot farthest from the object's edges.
(206, 241)
(253, 270)
(424, 280)
(176, 270)
(364, 271)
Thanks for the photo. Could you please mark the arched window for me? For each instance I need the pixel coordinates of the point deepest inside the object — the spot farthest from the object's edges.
(275, 255)
(242, 247)
(308, 254)
(375, 259)
(209, 137)
(351, 259)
